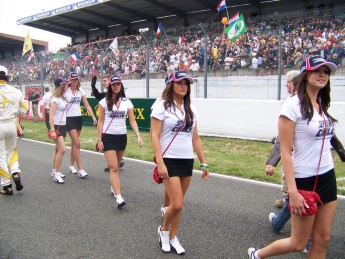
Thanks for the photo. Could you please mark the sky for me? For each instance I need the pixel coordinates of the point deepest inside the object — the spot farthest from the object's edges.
(12, 10)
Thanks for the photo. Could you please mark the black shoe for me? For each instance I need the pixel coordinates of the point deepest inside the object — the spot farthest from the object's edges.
(122, 163)
(7, 190)
(107, 170)
(17, 181)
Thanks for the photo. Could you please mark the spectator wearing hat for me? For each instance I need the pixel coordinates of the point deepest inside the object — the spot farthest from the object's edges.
(112, 131)
(57, 122)
(174, 115)
(74, 121)
(12, 104)
(304, 122)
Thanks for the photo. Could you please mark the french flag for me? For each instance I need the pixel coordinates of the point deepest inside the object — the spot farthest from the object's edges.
(234, 18)
(159, 29)
(221, 6)
(74, 57)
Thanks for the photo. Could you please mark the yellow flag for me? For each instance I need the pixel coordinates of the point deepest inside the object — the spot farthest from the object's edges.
(27, 44)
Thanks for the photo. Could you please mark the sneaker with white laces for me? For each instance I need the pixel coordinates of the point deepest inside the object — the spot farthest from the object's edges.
(72, 170)
(82, 173)
(176, 246)
(251, 253)
(120, 201)
(163, 238)
(271, 216)
(57, 178)
(163, 210)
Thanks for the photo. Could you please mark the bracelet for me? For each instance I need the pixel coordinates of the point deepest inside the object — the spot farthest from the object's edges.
(203, 166)
(99, 139)
(137, 133)
(52, 130)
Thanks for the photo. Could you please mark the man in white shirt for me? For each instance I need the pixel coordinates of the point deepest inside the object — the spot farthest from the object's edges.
(46, 101)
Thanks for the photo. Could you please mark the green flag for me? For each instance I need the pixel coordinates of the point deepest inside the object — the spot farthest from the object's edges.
(236, 30)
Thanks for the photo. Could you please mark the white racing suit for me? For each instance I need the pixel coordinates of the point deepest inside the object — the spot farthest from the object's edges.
(12, 104)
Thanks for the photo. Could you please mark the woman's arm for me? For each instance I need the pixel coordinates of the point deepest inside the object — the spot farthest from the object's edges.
(134, 126)
(286, 128)
(53, 106)
(89, 109)
(155, 133)
(100, 125)
(197, 145)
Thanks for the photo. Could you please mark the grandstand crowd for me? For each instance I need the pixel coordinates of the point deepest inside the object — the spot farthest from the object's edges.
(182, 48)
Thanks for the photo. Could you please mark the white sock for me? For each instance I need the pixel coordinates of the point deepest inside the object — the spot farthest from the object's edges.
(256, 254)
(118, 196)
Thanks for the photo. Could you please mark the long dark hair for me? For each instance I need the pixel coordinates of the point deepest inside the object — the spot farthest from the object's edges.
(109, 97)
(167, 95)
(323, 98)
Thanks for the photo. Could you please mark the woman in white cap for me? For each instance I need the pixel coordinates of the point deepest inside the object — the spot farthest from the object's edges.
(74, 95)
(57, 122)
(305, 129)
(112, 131)
(174, 124)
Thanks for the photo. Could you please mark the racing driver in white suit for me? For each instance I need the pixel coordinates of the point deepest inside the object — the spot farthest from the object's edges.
(12, 104)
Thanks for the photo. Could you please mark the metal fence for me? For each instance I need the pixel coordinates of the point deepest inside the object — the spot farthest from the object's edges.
(272, 46)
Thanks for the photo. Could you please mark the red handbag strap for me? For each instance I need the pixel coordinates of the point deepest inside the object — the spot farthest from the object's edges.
(178, 130)
(323, 142)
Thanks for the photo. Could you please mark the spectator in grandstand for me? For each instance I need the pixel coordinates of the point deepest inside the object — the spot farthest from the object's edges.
(99, 96)
(57, 126)
(307, 111)
(74, 121)
(12, 104)
(194, 67)
(112, 131)
(34, 98)
(46, 102)
(172, 115)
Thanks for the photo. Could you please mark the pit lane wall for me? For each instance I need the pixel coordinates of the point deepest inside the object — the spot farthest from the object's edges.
(233, 118)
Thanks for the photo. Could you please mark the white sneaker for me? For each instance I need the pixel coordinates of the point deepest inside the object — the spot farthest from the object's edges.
(53, 172)
(120, 201)
(82, 173)
(163, 210)
(176, 246)
(271, 216)
(163, 238)
(72, 170)
(62, 175)
(251, 252)
(57, 178)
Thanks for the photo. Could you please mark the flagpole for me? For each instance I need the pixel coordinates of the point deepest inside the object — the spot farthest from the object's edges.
(165, 33)
(226, 9)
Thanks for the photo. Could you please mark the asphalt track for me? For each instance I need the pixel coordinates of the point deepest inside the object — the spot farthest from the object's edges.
(222, 217)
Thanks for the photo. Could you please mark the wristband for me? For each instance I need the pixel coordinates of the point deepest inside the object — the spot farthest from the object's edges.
(203, 166)
(136, 132)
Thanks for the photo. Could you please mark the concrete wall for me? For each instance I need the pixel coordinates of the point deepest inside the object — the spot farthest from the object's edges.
(250, 119)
